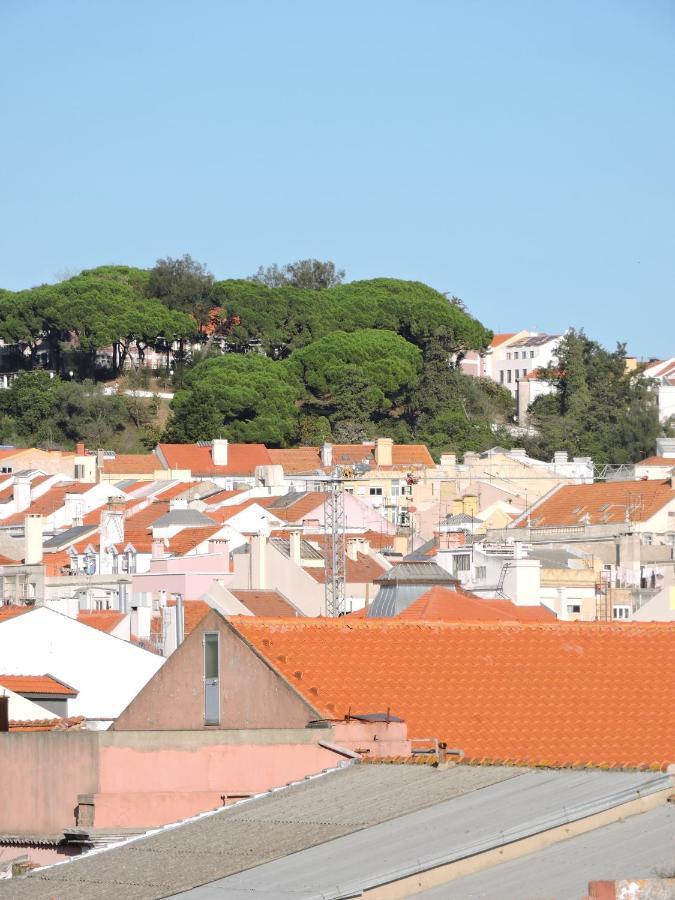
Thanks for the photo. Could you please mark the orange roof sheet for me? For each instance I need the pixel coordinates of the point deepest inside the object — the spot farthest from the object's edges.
(131, 464)
(499, 339)
(667, 461)
(190, 538)
(36, 684)
(602, 503)
(363, 570)
(308, 459)
(101, 619)
(446, 605)
(242, 459)
(564, 693)
(8, 611)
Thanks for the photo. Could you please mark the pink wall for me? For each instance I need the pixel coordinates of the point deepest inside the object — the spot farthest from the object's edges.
(252, 695)
(190, 576)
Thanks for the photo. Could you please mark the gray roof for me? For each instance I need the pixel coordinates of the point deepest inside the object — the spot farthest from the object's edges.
(286, 500)
(69, 536)
(423, 551)
(639, 847)
(307, 551)
(187, 518)
(404, 583)
(339, 834)
(557, 558)
(535, 340)
(462, 519)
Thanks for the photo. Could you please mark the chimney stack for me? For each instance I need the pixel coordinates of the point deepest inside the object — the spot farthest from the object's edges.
(157, 548)
(79, 448)
(295, 536)
(219, 452)
(258, 552)
(21, 492)
(33, 540)
(384, 452)
(74, 508)
(353, 549)
(327, 455)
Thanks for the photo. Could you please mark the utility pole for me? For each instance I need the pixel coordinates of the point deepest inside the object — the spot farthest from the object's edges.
(335, 552)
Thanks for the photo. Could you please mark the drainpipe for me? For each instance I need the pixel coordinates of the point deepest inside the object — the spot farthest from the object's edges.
(4, 713)
(180, 620)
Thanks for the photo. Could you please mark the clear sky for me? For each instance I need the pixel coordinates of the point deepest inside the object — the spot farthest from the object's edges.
(518, 154)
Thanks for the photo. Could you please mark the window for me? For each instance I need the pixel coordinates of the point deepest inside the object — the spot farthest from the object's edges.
(6, 470)
(461, 562)
(524, 372)
(573, 608)
(481, 573)
(375, 492)
(501, 377)
(90, 564)
(212, 678)
(531, 354)
(508, 356)
(515, 355)
(620, 612)
(79, 471)
(508, 376)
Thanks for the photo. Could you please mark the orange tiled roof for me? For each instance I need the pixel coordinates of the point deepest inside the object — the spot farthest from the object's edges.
(303, 506)
(502, 338)
(8, 611)
(49, 502)
(585, 693)
(363, 570)
(36, 684)
(131, 464)
(65, 724)
(101, 619)
(603, 503)
(193, 612)
(308, 459)
(265, 603)
(190, 538)
(8, 561)
(242, 459)
(667, 461)
(446, 605)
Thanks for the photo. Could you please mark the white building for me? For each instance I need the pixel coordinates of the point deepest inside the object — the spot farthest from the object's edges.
(663, 372)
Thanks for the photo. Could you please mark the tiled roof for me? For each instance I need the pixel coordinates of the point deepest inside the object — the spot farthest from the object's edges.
(101, 619)
(193, 612)
(265, 603)
(220, 497)
(602, 502)
(131, 464)
(225, 513)
(565, 693)
(308, 459)
(190, 538)
(447, 605)
(37, 684)
(242, 459)
(535, 340)
(8, 561)
(298, 509)
(65, 724)
(363, 570)
(502, 338)
(8, 611)
(667, 461)
(49, 502)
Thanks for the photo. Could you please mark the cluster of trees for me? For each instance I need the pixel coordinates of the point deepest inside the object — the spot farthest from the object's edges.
(598, 408)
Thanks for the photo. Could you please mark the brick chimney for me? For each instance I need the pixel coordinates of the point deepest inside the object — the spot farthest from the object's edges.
(384, 451)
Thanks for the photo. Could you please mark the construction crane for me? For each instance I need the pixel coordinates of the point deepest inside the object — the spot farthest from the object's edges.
(335, 553)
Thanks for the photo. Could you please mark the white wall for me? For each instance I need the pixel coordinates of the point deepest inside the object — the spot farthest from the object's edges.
(107, 672)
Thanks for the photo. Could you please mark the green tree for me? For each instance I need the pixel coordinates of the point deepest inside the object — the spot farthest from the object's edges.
(244, 397)
(182, 284)
(307, 274)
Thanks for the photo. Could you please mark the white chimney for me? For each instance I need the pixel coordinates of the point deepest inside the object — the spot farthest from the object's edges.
(353, 549)
(219, 452)
(111, 527)
(295, 536)
(178, 503)
(21, 492)
(74, 508)
(384, 452)
(33, 540)
(327, 454)
(157, 548)
(258, 554)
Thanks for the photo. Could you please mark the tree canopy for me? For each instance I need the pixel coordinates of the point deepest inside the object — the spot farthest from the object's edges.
(308, 274)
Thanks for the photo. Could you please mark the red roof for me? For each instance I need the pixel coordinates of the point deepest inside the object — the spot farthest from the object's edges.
(665, 461)
(601, 503)
(242, 459)
(65, 724)
(502, 338)
(101, 619)
(49, 502)
(308, 459)
(36, 684)
(10, 610)
(193, 612)
(565, 693)
(131, 464)
(445, 605)
(265, 603)
(363, 570)
(190, 538)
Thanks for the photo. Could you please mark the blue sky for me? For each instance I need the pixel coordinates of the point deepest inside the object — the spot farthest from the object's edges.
(520, 155)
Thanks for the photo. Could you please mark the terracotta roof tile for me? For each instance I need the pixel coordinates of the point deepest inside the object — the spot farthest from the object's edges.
(65, 724)
(308, 459)
(592, 692)
(602, 502)
(502, 338)
(131, 464)
(193, 611)
(190, 538)
(363, 570)
(265, 603)
(8, 611)
(101, 619)
(447, 605)
(242, 459)
(49, 502)
(36, 684)
(657, 461)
